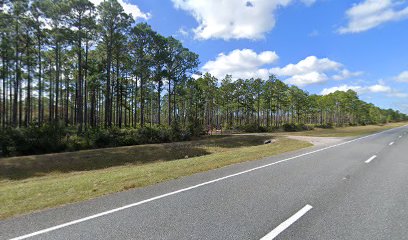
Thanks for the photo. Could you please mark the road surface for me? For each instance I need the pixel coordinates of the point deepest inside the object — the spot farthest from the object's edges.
(356, 189)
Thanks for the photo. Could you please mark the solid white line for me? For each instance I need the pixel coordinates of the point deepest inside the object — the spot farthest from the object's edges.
(189, 188)
(391, 143)
(275, 232)
(371, 159)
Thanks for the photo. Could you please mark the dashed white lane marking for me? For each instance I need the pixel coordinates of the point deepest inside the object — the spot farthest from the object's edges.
(391, 143)
(275, 232)
(370, 159)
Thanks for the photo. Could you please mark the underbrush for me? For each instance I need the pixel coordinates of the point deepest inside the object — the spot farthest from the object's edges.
(292, 127)
(53, 138)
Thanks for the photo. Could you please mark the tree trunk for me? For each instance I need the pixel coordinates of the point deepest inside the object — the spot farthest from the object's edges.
(57, 73)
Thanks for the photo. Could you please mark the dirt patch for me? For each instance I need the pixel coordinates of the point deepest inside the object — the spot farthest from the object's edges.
(319, 141)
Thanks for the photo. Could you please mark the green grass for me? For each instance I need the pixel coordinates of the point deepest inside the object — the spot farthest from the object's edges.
(17, 168)
(22, 195)
(33, 183)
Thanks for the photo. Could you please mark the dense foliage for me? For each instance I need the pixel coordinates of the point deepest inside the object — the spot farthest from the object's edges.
(75, 76)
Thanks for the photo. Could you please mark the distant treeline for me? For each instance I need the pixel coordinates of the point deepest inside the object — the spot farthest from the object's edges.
(84, 67)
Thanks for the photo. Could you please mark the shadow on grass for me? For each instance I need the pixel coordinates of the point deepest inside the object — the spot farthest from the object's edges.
(18, 168)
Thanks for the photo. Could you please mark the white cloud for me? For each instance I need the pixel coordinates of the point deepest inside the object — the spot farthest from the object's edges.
(372, 13)
(129, 8)
(399, 95)
(313, 70)
(308, 2)
(376, 88)
(343, 88)
(183, 32)
(233, 19)
(307, 65)
(307, 78)
(345, 74)
(403, 77)
(379, 88)
(246, 63)
(243, 63)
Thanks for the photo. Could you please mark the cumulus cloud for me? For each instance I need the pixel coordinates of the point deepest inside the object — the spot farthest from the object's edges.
(376, 88)
(307, 78)
(307, 65)
(372, 13)
(345, 74)
(379, 88)
(402, 77)
(129, 8)
(244, 63)
(343, 88)
(313, 70)
(232, 19)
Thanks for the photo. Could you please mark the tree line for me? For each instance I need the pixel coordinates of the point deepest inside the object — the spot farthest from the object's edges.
(86, 65)
(90, 67)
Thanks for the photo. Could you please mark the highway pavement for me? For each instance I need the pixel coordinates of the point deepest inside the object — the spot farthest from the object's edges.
(356, 189)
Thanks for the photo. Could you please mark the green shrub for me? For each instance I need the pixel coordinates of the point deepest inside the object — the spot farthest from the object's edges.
(325, 125)
(53, 138)
(292, 127)
(196, 128)
(7, 142)
(76, 143)
(274, 129)
(33, 140)
(253, 128)
(179, 134)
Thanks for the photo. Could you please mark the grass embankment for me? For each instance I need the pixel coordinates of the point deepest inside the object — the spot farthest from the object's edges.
(347, 131)
(36, 182)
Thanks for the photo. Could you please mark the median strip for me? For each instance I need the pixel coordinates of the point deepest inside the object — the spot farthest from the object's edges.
(275, 232)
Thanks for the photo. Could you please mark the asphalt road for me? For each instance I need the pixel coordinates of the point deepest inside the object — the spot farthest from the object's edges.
(353, 190)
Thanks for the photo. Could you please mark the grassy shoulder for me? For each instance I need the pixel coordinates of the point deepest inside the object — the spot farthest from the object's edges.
(32, 183)
(346, 131)
(22, 194)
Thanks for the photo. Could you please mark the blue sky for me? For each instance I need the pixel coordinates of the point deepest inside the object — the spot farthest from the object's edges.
(318, 45)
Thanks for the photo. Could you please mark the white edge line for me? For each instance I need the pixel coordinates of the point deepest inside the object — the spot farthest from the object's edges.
(189, 188)
(371, 159)
(283, 226)
(391, 143)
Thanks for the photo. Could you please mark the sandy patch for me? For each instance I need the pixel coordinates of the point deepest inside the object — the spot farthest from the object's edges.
(319, 141)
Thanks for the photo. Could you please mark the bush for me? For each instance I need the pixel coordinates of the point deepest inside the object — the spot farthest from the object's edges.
(274, 129)
(53, 138)
(292, 127)
(253, 127)
(196, 128)
(325, 125)
(7, 142)
(178, 134)
(76, 143)
(33, 140)
(153, 135)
